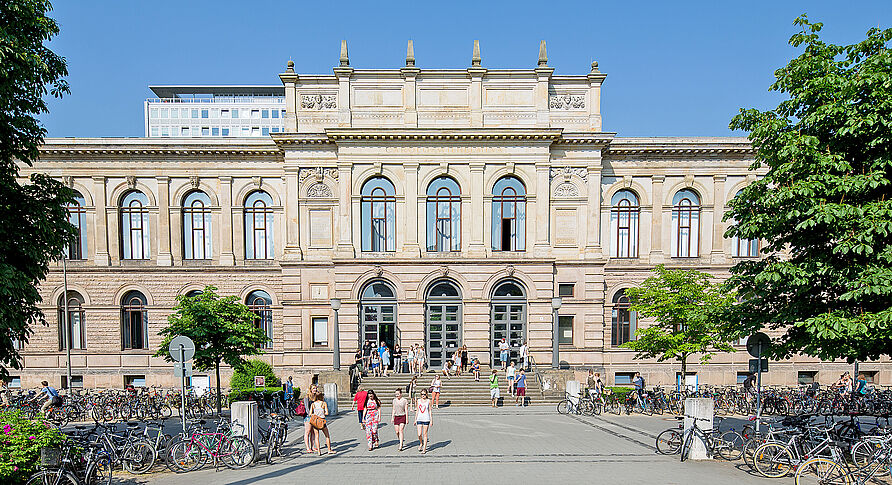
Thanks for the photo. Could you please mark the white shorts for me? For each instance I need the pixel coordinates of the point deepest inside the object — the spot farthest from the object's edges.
(494, 393)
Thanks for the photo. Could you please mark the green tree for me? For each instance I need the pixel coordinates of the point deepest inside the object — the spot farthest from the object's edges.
(222, 329)
(685, 305)
(34, 226)
(823, 210)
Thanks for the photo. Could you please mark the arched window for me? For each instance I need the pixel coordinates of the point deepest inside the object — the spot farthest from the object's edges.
(685, 224)
(509, 215)
(260, 303)
(624, 225)
(258, 226)
(75, 322)
(742, 247)
(378, 209)
(134, 321)
(193, 293)
(624, 321)
(134, 226)
(443, 215)
(443, 315)
(197, 226)
(77, 216)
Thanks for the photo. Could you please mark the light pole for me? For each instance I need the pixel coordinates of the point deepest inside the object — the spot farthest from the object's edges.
(336, 344)
(66, 332)
(555, 357)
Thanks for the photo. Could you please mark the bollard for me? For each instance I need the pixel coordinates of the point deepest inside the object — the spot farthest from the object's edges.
(573, 389)
(245, 421)
(331, 397)
(701, 408)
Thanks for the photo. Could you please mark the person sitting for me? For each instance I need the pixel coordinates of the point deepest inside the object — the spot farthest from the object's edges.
(475, 367)
(447, 368)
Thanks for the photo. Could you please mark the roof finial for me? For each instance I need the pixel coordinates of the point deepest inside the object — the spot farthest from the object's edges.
(410, 54)
(543, 57)
(290, 66)
(595, 66)
(345, 61)
(475, 56)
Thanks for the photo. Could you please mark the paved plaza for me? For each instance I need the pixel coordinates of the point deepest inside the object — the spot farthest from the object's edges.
(481, 444)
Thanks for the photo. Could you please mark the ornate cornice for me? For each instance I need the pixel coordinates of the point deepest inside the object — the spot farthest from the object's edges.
(459, 134)
(112, 147)
(679, 146)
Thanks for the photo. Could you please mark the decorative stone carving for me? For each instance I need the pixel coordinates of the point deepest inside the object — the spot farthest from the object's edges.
(319, 191)
(131, 181)
(566, 189)
(318, 172)
(68, 180)
(568, 172)
(566, 101)
(509, 270)
(444, 270)
(257, 181)
(689, 181)
(318, 101)
(627, 181)
(193, 181)
(379, 270)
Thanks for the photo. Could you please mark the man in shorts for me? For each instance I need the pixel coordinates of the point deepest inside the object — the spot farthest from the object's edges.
(503, 353)
(520, 388)
(494, 387)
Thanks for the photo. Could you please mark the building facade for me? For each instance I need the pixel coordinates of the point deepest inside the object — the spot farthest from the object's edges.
(214, 111)
(442, 207)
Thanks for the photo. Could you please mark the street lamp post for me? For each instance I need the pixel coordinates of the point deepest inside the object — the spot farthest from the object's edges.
(555, 356)
(336, 344)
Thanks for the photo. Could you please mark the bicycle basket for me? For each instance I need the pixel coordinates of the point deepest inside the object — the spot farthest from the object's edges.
(51, 457)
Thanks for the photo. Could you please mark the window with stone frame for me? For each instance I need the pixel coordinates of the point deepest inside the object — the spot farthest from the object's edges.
(624, 217)
(259, 223)
(443, 215)
(134, 321)
(135, 235)
(623, 320)
(75, 322)
(260, 303)
(77, 216)
(197, 233)
(509, 215)
(378, 215)
(685, 224)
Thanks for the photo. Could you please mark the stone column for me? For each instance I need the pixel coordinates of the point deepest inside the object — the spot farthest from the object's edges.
(593, 238)
(343, 74)
(477, 221)
(543, 76)
(410, 118)
(292, 215)
(345, 221)
(101, 256)
(475, 95)
(543, 199)
(718, 211)
(411, 221)
(290, 79)
(227, 257)
(595, 79)
(165, 258)
(656, 236)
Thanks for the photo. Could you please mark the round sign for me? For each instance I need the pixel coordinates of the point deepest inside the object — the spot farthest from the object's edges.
(187, 351)
(757, 344)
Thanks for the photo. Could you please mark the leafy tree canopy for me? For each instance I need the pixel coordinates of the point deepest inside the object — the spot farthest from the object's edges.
(823, 210)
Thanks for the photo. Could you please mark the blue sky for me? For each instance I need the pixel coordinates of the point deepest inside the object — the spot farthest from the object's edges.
(679, 68)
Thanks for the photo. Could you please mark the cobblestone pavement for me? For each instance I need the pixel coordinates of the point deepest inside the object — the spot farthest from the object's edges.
(481, 444)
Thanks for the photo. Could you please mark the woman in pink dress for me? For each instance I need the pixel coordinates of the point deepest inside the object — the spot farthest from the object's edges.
(372, 417)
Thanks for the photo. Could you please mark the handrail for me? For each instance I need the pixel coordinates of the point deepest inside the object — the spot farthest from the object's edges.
(538, 375)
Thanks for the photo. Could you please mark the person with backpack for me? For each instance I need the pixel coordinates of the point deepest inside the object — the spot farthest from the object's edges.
(494, 387)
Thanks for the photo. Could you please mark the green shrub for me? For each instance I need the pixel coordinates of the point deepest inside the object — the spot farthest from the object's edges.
(245, 394)
(243, 378)
(20, 442)
(619, 391)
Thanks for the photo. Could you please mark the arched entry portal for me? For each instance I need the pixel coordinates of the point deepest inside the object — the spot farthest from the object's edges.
(377, 313)
(443, 317)
(508, 319)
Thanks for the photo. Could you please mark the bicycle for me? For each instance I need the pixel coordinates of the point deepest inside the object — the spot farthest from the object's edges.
(233, 451)
(575, 405)
(837, 471)
(274, 436)
(727, 445)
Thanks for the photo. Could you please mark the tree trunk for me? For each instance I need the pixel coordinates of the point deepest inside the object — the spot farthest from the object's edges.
(684, 372)
(219, 397)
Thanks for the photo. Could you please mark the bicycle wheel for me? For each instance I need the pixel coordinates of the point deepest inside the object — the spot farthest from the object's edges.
(729, 445)
(863, 451)
(138, 457)
(237, 452)
(165, 411)
(585, 407)
(669, 442)
(687, 442)
(823, 471)
(749, 450)
(773, 460)
(99, 472)
(272, 443)
(185, 456)
(597, 408)
(54, 477)
(564, 406)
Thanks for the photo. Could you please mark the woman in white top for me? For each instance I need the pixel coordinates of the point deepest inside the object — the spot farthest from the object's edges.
(320, 409)
(410, 356)
(419, 357)
(423, 420)
(524, 356)
(436, 384)
(456, 362)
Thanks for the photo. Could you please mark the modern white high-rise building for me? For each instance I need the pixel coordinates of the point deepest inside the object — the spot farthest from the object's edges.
(215, 111)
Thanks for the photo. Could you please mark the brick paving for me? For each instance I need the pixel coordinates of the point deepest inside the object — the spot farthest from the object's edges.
(481, 444)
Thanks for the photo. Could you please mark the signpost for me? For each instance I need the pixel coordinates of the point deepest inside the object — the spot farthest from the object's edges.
(182, 349)
(755, 345)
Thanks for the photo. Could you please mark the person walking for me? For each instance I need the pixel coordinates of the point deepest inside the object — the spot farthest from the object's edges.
(308, 400)
(367, 350)
(359, 403)
(372, 419)
(436, 385)
(397, 360)
(410, 355)
(376, 364)
(412, 389)
(398, 415)
(385, 361)
(319, 412)
(423, 420)
(511, 374)
(520, 388)
(494, 387)
(503, 353)
(288, 387)
(638, 382)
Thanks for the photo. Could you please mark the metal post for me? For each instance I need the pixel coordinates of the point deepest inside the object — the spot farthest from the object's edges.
(759, 388)
(555, 356)
(183, 386)
(66, 332)
(336, 345)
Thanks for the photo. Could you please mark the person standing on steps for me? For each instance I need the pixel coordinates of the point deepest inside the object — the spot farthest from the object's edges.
(520, 388)
(511, 374)
(456, 362)
(385, 361)
(372, 418)
(494, 387)
(464, 358)
(419, 354)
(503, 353)
(359, 403)
(398, 415)
(397, 360)
(319, 412)
(525, 356)
(423, 420)
(436, 385)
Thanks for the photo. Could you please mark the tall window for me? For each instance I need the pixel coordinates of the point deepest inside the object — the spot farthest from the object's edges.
(260, 303)
(258, 226)
(624, 225)
(744, 248)
(509, 215)
(134, 226)
(378, 209)
(624, 321)
(77, 216)
(197, 226)
(685, 224)
(75, 321)
(443, 215)
(134, 321)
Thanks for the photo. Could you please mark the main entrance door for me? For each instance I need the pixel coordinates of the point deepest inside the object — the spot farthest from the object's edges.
(508, 319)
(378, 314)
(443, 318)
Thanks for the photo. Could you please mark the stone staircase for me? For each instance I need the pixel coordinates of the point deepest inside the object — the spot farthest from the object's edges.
(456, 390)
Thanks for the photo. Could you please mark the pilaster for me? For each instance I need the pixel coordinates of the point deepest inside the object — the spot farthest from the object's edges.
(227, 257)
(345, 221)
(475, 95)
(718, 211)
(289, 79)
(165, 258)
(595, 79)
(292, 250)
(344, 74)
(656, 238)
(593, 237)
(543, 78)
(101, 256)
(543, 202)
(476, 248)
(410, 118)
(411, 220)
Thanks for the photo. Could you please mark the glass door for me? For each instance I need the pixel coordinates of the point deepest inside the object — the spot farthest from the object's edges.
(508, 320)
(379, 324)
(443, 332)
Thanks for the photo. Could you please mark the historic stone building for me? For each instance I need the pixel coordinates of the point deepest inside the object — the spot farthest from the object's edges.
(445, 207)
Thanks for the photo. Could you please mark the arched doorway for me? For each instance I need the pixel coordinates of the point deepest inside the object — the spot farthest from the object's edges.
(508, 319)
(443, 318)
(377, 313)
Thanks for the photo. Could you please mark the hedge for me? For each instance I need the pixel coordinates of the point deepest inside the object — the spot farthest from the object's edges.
(245, 394)
(20, 442)
(243, 377)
